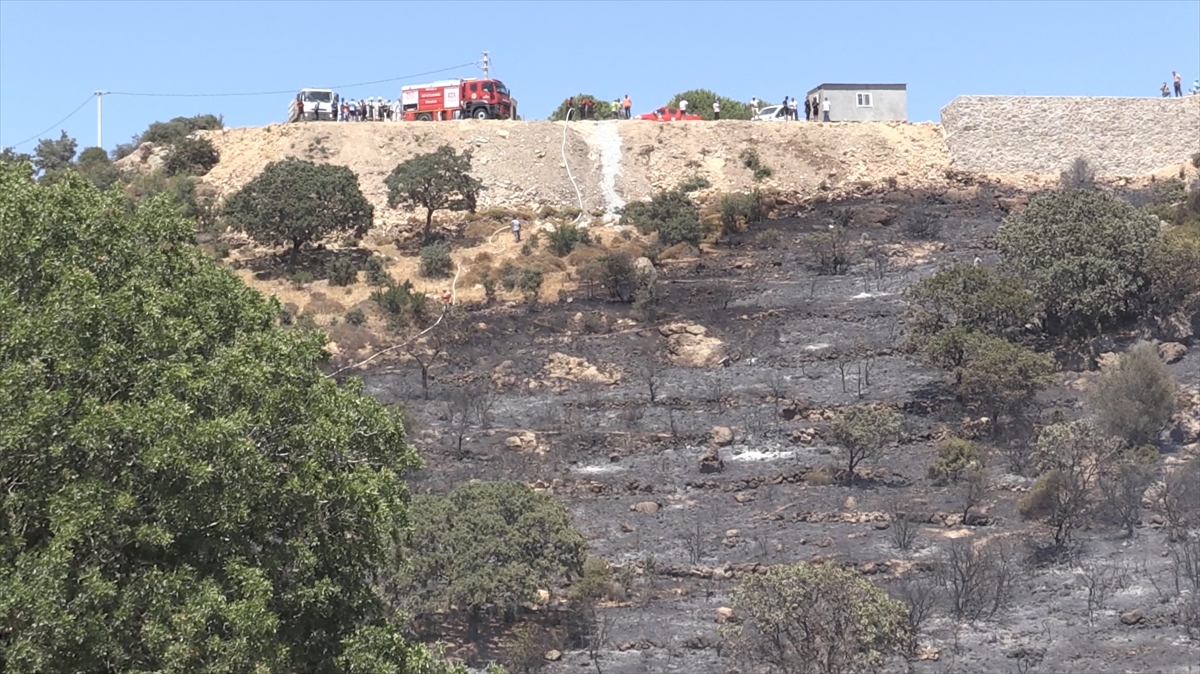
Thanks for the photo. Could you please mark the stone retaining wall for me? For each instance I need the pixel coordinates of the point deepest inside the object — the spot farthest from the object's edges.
(1044, 134)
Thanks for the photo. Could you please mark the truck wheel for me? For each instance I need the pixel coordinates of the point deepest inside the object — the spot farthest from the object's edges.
(424, 117)
(480, 113)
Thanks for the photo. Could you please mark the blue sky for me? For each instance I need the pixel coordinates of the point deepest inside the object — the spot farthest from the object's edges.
(53, 55)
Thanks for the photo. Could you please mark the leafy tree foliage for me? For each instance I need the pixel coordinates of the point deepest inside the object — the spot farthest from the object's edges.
(1071, 458)
(435, 181)
(670, 213)
(10, 156)
(298, 201)
(966, 296)
(52, 156)
(181, 490)
(95, 165)
(435, 260)
(194, 156)
(955, 457)
(489, 546)
(169, 133)
(700, 103)
(1135, 399)
(1083, 255)
(816, 619)
(604, 109)
(1174, 259)
(999, 376)
(862, 431)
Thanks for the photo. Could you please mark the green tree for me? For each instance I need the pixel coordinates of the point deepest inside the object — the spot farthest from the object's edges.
(10, 156)
(955, 457)
(1135, 399)
(488, 546)
(862, 431)
(181, 490)
(193, 156)
(298, 201)
(963, 295)
(670, 213)
(95, 165)
(53, 156)
(438, 180)
(700, 103)
(1083, 255)
(815, 619)
(604, 109)
(1000, 377)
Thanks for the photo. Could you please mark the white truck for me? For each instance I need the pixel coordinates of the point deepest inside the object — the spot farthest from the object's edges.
(319, 105)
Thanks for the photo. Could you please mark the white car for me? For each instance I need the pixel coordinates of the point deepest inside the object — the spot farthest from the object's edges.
(771, 113)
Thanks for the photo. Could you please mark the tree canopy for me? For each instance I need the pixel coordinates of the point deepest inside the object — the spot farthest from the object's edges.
(1083, 255)
(700, 102)
(438, 180)
(489, 545)
(604, 109)
(298, 201)
(181, 490)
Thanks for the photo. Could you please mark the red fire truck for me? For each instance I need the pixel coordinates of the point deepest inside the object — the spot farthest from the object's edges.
(457, 99)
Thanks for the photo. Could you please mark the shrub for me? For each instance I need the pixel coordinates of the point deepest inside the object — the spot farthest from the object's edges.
(350, 243)
(862, 431)
(963, 295)
(1135, 399)
(564, 238)
(1083, 254)
(999, 376)
(194, 156)
(510, 275)
(1080, 176)
(356, 317)
(768, 238)
(740, 211)
(402, 305)
(694, 183)
(435, 260)
(341, 271)
(221, 250)
(804, 617)
(923, 227)
(681, 230)
(700, 103)
(300, 278)
(530, 284)
(672, 214)
(620, 276)
(955, 456)
(377, 274)
(752, 161)
(832, 251)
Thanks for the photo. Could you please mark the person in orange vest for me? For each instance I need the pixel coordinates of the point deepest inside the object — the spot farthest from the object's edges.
(628, 107)
(447, 297)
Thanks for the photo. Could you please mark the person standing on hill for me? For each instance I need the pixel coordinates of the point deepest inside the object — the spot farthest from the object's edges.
(516, 229)
(753, 106)
(825, 108)
(1178, 83)
(807, 109)
(716, 109)
(628, 107)
(682, 107)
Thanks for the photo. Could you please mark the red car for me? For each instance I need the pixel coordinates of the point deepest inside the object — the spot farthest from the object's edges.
(665, 114)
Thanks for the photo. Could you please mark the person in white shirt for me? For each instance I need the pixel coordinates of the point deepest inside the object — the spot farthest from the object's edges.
(753, 106)
(683, 107)
(516, 230)
(825, 109)
(716, 109)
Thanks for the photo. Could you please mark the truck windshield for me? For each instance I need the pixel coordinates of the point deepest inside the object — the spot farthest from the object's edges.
(501, 89)
(318, 96)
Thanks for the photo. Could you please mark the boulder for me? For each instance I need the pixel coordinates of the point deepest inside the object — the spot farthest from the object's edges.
(646, 274)
(1186, 429)
(645, 507)
(726, 615)
(721, 436)
(1176, 327)
(1171, 352)
(553, 656)
(1132, 617)
(689, 345)
(1013, 204)
(711, 461)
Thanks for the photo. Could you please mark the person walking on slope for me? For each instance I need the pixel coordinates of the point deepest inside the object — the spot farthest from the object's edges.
(716, 109)
(628, 107)
(825, 108)
(1178, 83)
(516, 229)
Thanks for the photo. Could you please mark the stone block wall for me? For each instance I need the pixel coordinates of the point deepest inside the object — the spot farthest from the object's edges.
(1044, 134)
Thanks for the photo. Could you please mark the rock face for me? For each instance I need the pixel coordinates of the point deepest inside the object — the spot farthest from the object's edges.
(571, 368)
(688, 345)
(1132, 617)
(711, 461)
(1171, 352)
(645, 507)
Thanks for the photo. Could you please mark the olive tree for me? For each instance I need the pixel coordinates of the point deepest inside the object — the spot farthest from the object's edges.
(438, 180)
(862, 431)
(181, 489)
(487, 546)
(815, 619)
(1083, 255)
(298, 201)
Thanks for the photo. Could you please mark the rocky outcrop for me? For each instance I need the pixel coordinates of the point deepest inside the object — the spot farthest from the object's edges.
(689, 345)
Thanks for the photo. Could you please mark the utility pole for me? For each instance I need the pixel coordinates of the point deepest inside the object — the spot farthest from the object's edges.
(100, 118)
(487, 64)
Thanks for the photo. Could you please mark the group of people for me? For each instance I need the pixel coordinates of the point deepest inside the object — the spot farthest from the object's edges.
(814, 108)
(1178, 81)
(369, 110)
(585, 108)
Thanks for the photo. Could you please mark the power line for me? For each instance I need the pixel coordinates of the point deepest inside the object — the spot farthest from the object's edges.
(59, 122)
(289, 91)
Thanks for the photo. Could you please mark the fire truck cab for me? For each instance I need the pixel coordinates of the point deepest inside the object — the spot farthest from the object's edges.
(457, 99)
